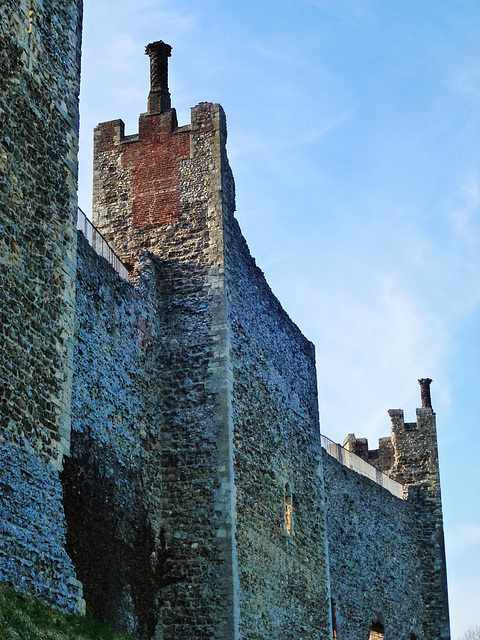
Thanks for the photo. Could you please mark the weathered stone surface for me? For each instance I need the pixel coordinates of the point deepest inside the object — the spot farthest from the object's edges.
(112, 479)
(198, 596)
(236, 356)
(39, 82)
(373, 541)
(283, 577)
(410, 456)
(32, 530)
(416, 467)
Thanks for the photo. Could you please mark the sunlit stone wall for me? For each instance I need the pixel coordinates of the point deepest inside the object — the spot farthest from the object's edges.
(277, 457)
(375, 570)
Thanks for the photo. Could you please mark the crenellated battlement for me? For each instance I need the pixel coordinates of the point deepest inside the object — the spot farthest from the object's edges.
(381, 458)
(146, 186)
(405, 439)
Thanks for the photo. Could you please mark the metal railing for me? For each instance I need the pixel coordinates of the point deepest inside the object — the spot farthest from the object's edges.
(99, 244)
(352, 461)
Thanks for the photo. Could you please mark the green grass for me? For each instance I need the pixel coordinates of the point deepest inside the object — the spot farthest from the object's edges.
(23, 617)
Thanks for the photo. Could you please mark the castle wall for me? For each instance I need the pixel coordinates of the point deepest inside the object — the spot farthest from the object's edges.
(189, 493)
(277, 451)
(112, 479)
(375, 571)
(39, 83)
(237, 371)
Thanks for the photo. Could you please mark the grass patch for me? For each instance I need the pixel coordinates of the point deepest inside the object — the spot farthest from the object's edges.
(24, 617)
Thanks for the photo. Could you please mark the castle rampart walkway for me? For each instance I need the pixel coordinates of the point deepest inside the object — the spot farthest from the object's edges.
(99, 244)
(352, 461)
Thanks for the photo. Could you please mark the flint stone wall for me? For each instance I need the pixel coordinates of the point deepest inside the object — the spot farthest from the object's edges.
(410, 457)
(113, 477)
(283, 577)
(33, 529)
(416, 465)
(375, 569)
(198, 594)
(235, 368)
(39, 83)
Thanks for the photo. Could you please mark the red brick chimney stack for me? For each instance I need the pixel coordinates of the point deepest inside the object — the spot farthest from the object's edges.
(159, 96)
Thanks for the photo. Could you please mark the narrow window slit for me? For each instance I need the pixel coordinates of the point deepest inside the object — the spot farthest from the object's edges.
(288, 509)
(334, 622)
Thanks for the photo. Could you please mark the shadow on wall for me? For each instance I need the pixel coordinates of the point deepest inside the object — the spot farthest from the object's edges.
(111, 541)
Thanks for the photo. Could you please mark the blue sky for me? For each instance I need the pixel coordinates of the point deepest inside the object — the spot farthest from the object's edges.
(354, 141)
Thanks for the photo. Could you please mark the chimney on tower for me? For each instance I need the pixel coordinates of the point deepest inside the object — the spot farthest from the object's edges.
(425, 392)
(159, 96)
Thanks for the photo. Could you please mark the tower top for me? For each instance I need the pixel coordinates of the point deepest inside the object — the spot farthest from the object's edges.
(159, 96)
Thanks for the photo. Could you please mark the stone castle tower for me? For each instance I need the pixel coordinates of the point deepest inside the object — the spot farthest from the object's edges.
(410, 457)
(241, 377)
(169, 470)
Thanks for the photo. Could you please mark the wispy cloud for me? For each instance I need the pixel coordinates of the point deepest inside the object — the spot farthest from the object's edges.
(373, 341)
(320, 131)
(247, 143)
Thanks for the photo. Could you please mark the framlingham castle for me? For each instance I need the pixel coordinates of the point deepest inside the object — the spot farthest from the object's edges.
(161, 462)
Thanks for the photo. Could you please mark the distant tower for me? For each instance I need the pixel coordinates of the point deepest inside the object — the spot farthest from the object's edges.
(409, 456)
(416, 466)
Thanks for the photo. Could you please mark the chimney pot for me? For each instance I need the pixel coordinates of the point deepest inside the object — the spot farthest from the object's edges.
(425, 392)
(159, 96)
